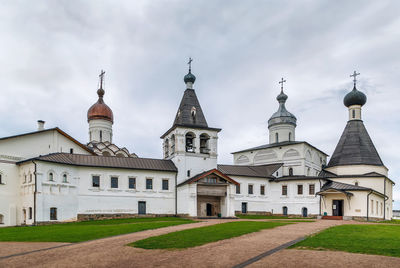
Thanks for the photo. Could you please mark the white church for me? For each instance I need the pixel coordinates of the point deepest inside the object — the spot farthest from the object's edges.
(48, 176)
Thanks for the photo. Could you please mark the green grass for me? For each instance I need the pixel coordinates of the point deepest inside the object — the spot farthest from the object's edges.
(391, 222)
(369, 239)
(203, 235)
(259, 217)
(84, 231)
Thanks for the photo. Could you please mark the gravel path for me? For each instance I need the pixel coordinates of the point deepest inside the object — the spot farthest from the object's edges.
(325, 259)
(113, 252)
(11, 248)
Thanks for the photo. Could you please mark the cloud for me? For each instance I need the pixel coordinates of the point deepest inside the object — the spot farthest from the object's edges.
(52, 53)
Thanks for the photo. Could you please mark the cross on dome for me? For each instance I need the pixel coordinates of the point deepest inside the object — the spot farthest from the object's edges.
(354, 75)
(101, 75)
(281, 82)
(190, 64)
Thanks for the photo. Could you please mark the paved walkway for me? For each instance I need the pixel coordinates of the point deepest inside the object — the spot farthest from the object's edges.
(113, 252)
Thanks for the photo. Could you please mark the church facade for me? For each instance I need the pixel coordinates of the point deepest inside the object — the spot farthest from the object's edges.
(48, 176)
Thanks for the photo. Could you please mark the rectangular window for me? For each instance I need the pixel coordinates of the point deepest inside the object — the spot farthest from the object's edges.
(132, 183)
(30, 213)
(149, 184)
(238, 189)
(300, 189)
(53, 214)
(114, 182)
(1, 181)
(165, 185)
(250, 189)
(284, 189)
(30, 177)
(311, 189)
(262, 189)
(372, 206)
(211, 180)
(95, 181)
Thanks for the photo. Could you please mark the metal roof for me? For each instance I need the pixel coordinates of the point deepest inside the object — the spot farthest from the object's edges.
(278, 144)
(207, 173)
(107, 161)
(297, 178)
(262, 171)
(355, 147)
(342, 187)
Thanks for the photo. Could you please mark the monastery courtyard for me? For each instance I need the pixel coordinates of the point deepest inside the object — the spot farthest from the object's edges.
(266, 248)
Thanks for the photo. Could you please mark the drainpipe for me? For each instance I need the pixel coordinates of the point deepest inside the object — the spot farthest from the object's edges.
(384, 199)
(319, 197)
(368, 204)
(34, 194)
(176, 194)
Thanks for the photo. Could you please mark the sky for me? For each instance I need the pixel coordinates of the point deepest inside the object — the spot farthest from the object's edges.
(52, 53)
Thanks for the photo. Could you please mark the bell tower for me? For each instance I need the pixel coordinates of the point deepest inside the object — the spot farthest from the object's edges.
(190, 143)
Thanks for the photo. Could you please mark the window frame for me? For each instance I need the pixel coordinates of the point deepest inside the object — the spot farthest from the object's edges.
(311, 185)
(53, 214)
(134, 183)
(30, 213)
(1, 178)
(98, 183)
(147, 184)
(162, 184)
(262, 189)
(114, 179)
(238, 188)
(284, 191)
(65, 177)
(300, 189)
(250, 189)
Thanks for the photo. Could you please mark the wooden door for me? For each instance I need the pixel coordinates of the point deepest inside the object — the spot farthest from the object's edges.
(142, 207)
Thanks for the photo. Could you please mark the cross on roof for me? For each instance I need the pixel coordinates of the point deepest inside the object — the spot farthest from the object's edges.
(281, 82)
(355, 74)
(190, 64)
(101, 78)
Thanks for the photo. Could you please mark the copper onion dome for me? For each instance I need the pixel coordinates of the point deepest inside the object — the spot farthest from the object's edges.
(100, 110)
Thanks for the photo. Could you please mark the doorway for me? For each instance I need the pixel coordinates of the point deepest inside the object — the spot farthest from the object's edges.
(337, 207)
(244, 208)
(209, 209)
(142, 207)
(24, 213)
(304, 212)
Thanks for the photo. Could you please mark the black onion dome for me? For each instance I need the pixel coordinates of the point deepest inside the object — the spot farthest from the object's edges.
(354, 97)
(189, 78)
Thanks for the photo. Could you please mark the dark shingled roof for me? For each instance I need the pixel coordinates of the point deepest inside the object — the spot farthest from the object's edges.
(279, 144)
(342, 187)
(297, 178)
(355, 147)
(205, 174)
(107, 161)
(184, 116)
(262, 171)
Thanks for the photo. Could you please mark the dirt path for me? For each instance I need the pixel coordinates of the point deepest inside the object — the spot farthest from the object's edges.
(325, 259)
(11, 248)
(112, 252)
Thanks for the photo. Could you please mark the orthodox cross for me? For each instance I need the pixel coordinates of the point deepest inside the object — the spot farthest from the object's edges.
(190, 64)
(281, 82)
(355, 74)
(101, 78)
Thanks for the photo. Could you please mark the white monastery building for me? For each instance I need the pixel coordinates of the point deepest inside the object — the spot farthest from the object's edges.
(48, 176)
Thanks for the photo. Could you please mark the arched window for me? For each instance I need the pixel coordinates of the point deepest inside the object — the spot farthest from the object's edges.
(101, 136)
(354, 113)
(276, 137)
(30, 177)
(1, 179)
(65, 177)
(204, 143)
(308, 171)
(51, 176)
(172, 144)
(166, 148)
(1, 219)
(284, 211)
(290, 136)
(290, 171)
(193, 114)
(356, 183)
(190, 142)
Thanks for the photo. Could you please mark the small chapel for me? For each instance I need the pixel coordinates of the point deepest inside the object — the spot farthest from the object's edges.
(48, 176)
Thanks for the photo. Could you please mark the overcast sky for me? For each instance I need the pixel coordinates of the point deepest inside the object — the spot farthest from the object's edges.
(52, 53)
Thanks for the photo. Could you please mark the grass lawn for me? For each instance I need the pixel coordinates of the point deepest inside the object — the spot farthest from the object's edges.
(203, 235)
(391, 221)
(83, 231)
(259, 217)
(369, 239)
